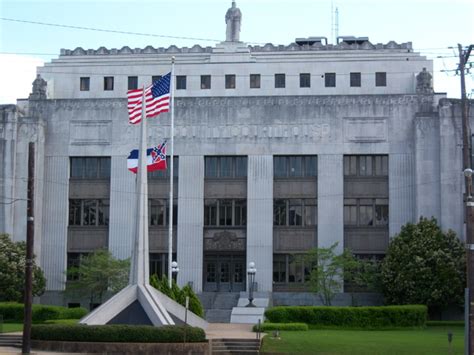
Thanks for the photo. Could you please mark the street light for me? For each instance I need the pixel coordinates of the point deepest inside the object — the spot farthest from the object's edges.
(251, 271)
(174, 268)
(468, 174)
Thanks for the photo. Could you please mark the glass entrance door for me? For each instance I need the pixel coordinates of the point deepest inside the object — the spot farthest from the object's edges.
(224, 273)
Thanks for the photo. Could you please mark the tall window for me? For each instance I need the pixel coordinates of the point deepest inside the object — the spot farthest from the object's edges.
(108, 83)
(88, 212)
(305, 80)
(159, 211)
(279, 81)
(132, 82)
(85, 83)
(226, 167)
(366, 212)
(366, 165)
(330, 80)
(290, 269)
(381, 79)
(205, 82)
(295, 212)
(255, 81)
(230, 81)
(90, 168)
(295, 166)
(181, 82)
(355, 79)
(74, 261)
(225, 212)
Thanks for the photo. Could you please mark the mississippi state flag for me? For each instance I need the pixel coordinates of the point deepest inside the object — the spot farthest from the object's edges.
(157, 100)
(156, 159)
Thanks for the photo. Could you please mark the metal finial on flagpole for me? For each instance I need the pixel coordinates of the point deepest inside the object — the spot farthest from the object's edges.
(170, 223)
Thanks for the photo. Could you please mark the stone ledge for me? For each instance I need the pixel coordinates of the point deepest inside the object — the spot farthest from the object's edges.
(121, 348)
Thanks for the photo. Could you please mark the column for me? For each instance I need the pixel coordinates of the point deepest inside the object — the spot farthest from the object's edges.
(260, 218)
(331, 201)
(190, 221)
(55, 221)
(122, 208)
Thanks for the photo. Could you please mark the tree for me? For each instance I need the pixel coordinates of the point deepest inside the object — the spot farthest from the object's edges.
(12, 271)
(329, 271)
(423, 265)
(97, 273)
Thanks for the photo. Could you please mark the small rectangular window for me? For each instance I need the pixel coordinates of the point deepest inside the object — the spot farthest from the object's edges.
(205, 81)
(380, 79)
(132, 82)
(279, 81)
(230, 81)
(85, 83)
(305, 80)
(330, 80)
(155, 78)
(355, 80)
(255, 81)
(108, 83)
(181, 82)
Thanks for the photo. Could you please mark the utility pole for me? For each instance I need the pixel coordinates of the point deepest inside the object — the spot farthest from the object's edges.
(30, 230)
(469, 299)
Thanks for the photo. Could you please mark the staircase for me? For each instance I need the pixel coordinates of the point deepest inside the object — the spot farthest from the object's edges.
(218, 305)
(12, 340)
(235, 346)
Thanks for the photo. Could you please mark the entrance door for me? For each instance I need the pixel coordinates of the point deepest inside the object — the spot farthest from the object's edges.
(224, 273)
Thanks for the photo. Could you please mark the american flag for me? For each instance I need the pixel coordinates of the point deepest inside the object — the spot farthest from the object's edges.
(157, 100)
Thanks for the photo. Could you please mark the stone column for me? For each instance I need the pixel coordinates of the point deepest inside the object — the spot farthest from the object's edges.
(190, 221)
(427, 167)
(401, 186)
(330, 201)
(122, 208)
(260, 218)
(55, 221)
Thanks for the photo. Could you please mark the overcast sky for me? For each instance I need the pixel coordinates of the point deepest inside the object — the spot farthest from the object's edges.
(432, 26)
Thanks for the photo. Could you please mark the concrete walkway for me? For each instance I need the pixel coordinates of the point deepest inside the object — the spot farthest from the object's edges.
(230, 331)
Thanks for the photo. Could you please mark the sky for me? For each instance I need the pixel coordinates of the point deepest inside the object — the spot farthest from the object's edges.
(435, 27)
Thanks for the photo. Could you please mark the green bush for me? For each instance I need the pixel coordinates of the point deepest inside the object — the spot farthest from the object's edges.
(266, 327)
(40, 313)
(117, 333)
(351, 317)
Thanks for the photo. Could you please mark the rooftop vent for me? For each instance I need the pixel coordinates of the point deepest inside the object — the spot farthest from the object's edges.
(311, 40)
(352, 39)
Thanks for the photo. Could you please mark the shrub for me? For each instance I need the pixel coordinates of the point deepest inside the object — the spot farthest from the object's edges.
(351, 317)
(266, 327)
(117, 333)
(40, 313)
(445, 323)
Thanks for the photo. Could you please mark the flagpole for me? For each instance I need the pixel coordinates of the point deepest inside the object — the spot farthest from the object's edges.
(170, 223)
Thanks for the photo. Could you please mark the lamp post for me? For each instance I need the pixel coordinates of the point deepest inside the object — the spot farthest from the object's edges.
(251, 271)
(174, 268)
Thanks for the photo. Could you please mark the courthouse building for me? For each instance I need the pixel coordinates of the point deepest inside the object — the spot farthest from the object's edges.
(278, 149)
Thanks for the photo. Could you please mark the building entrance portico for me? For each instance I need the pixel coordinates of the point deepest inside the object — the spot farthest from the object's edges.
(224, 272)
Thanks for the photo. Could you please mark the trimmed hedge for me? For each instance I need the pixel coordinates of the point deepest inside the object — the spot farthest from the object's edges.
(351, 317)
(445, 323)
(266, 327)
(117, 333)
(14, 312)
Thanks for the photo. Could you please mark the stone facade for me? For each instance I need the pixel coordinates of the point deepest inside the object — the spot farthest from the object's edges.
(414, 136)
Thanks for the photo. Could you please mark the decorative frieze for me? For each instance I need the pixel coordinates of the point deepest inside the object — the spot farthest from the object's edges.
(90, 132)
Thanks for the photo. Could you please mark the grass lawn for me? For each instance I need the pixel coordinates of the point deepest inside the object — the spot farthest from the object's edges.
(432, 340)
(11, 327)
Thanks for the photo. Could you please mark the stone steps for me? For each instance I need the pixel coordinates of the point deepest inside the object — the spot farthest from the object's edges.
(218, 315)
(11, 340)
(235, 346)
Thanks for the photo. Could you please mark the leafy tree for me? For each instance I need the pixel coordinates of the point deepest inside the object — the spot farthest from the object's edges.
(12, 271)
(423, 265)
(329, 271)
(97, 273)
(178, 294)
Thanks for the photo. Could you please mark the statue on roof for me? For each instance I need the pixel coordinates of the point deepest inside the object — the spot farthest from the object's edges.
(424, 84)
(233, 18)
(39, 88)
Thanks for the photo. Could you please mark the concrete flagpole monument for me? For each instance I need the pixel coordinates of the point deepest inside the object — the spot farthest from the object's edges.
(140, 303)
